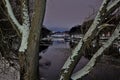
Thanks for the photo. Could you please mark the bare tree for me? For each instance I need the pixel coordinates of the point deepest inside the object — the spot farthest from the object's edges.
(98, 54)
(104, 12)
(29, 31)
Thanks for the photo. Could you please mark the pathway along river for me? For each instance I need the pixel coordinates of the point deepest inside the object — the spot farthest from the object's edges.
(56, 54)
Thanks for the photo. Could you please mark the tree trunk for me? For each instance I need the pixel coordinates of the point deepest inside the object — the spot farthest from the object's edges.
(89, 66)
(30, 37)
(29, 61)
(104, 11)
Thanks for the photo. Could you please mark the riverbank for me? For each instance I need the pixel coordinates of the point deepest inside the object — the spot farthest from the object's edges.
(53, 58)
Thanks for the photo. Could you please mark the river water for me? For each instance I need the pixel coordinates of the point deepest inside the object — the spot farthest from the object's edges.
(55, 55)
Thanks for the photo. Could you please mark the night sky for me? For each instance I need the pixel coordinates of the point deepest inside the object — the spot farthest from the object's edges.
(61, 15)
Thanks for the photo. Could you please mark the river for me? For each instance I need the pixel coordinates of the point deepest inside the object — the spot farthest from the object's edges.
(53, 58)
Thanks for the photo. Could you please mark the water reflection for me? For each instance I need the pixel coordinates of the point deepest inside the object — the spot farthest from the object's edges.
(53, 58)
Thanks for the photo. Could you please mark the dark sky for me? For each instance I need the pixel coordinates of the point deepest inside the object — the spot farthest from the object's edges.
(63, 14)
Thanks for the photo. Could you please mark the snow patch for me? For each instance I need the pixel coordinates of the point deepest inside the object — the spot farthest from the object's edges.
(24, 41)
(24, 28)
(115, 2)
(71, 59)
(91, 63)
(12, 16)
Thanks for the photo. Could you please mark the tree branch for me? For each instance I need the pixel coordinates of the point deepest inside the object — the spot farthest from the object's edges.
(89, 36)
(12, 16)
(9, 19)
(97, 55)
(112, 7)
(24, 28)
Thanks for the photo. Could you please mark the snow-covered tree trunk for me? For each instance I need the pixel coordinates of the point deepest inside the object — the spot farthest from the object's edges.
(104, 11)
(32, 53)
(97, 55)
(30, 35)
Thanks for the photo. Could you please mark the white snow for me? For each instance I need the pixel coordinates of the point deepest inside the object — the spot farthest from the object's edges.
(91, 63)
(115, 2)
(24, 41)
(7, 72)
(87, 35)
(96, 22)
(71, 58)
(24, 28)
(12, 16)
(74, 53)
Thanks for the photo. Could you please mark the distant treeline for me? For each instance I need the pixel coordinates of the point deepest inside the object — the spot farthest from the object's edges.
(82, 29)
(45, 32)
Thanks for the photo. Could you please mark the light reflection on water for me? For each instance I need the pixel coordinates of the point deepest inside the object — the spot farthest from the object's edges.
(54, 57)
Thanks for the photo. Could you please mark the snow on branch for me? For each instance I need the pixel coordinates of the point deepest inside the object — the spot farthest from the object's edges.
(24, 28)
(89, 36)
(26, 21)
(95, 57)
(77, 52)
(113, 5)
(12, 16)
(98, 19)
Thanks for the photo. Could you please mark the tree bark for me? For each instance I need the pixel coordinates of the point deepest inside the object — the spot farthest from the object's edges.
(85, 70)
(30, 59)
(87, 39)
(29, 48)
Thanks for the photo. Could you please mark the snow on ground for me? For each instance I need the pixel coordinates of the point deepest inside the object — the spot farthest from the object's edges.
(7, 72)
